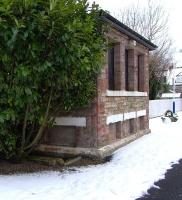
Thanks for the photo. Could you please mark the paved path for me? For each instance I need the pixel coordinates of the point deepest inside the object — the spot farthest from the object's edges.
(170, 187)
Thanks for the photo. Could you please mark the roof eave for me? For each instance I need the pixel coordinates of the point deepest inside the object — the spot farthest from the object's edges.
(127, 31)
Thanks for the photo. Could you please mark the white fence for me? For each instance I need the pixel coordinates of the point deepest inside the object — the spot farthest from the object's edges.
(158, 107)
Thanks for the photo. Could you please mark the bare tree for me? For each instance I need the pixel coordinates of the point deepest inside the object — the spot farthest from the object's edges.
(151, 21)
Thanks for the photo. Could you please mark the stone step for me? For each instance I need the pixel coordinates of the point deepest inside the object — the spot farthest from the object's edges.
(53, 161)
(72, 161)
(48, 160)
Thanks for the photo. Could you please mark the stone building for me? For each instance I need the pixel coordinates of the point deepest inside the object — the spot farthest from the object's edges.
(174, 74)
(120, 112)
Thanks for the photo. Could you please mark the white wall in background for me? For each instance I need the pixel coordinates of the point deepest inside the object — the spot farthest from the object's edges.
(159, 107)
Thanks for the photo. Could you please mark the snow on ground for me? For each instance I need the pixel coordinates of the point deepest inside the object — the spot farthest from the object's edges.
(133, 169)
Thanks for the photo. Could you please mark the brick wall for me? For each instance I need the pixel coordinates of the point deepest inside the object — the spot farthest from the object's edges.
(115, 105)
(97, 133)
(84, 136)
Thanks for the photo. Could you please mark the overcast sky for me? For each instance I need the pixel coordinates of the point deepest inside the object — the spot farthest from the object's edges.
(173, 7)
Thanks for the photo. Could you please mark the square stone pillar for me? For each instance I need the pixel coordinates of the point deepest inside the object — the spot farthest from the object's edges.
(132, 70)
(119, 66)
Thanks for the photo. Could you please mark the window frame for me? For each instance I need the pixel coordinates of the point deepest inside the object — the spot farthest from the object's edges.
(111, 63)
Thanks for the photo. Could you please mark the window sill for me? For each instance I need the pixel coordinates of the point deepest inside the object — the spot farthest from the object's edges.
(123, 93)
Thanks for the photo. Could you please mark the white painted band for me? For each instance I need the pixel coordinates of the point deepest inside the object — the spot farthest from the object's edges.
(141, 113)
(123, 117)
(114, 118)
(71, 121)
(122, 93)
(129, 115)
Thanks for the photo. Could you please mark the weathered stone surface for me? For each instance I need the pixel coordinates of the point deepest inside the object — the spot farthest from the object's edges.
(47, 160)
(73, 161)
(99, 153)
(97, 133)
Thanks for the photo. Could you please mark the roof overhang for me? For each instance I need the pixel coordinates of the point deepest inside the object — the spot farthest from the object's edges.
(127, 31)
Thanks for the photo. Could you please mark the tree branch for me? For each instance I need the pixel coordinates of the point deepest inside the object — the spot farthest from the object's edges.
(43, 125)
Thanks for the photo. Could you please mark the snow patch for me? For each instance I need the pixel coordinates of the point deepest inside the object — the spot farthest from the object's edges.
(132, 170)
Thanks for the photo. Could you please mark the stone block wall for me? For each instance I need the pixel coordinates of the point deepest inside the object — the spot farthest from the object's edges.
(113, 115)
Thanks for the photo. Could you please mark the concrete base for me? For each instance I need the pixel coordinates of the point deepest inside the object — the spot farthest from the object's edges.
(100, 153)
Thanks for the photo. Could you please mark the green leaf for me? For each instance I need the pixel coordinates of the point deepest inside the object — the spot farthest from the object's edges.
(50, 56)
(1, 119)
(28, 91)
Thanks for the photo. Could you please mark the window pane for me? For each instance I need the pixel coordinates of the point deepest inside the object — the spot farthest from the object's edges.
(139, 57)
(140, 73)
(111, 68)
(126, 69)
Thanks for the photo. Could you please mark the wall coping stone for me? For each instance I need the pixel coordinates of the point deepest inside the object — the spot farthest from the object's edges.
(122, 93)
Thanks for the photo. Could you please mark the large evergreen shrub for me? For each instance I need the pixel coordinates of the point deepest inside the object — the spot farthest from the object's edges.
(50, 54)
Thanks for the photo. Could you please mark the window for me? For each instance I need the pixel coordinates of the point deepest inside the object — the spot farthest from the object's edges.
(130, 70)
(111, 68)
(114, 67)
(140, 66)
(126, 69)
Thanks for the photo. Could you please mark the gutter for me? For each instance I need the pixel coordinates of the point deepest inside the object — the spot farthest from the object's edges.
(126, 30)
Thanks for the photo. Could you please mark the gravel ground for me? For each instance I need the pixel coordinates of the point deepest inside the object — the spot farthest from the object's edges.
(7, 168)
(25, 167)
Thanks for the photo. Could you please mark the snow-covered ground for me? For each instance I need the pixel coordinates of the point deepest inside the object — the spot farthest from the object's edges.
(133, 169)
